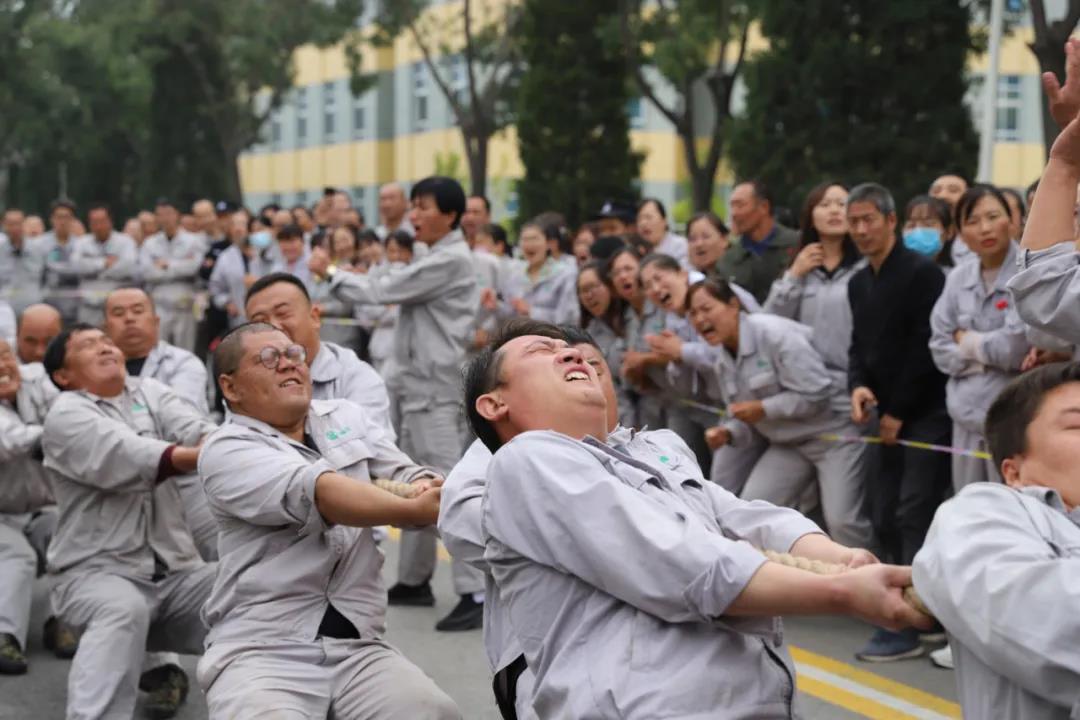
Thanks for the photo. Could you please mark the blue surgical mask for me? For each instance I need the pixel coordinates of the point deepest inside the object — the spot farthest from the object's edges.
(260, 240)
(923, 240)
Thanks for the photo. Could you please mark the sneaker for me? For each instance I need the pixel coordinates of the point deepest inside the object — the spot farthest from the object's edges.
(59, 638)
(887, 646)
(167, 687)
(411, 595)
(934, 635)
(12, 660)
(466, 615)
(942, 658)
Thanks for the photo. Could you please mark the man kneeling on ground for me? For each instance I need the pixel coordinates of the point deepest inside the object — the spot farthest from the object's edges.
(624, 581)
(298, 608)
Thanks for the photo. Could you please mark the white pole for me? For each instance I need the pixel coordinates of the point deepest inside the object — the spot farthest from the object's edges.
(990, 91)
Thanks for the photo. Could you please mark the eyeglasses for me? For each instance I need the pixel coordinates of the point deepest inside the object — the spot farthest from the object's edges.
(271, 356)
(590, 289)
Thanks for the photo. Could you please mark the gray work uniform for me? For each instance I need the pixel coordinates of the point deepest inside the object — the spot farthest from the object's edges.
(438, 297)
(59, 279)
(283, 566)
(340, 324)
(338, 374)
(226, 282)
(1000, 569)
(675, 246)
(27, 512)
(983, 365)
(298, 269)
(608, 638)
(552, 297)
(488, 277)
(613, 348)
(9, 324)
(20, 273)
(173, 287)
(1046, 290)
(125, 568)
(88, 259)
(820, 301)
(777, 365)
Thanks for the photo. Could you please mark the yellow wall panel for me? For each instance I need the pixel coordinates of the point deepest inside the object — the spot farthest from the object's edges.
(1017, 164)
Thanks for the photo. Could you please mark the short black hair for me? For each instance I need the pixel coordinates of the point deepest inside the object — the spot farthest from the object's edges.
(447, 192)
(165, 202)
(575, 335)
(99, 206)
(1016, 406)
(967, 202)
(481, 375)
(273, 279)
(403, 238)
(289, 232)
(653, 201)
(62, 203)
(497, 234)
(718, 289)
(1015, 195)
(56, 352)
(230, 350)
(487, 203)
(761, 190)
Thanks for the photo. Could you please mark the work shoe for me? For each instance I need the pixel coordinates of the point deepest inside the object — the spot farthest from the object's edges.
(887, 646)
(167, 687)
(12, 660)
(942, 658)
(934, 635)
(59, 638)
(466, 615)
(411, 595)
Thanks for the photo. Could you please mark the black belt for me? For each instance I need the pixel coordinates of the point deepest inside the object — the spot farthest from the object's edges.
(505, 687)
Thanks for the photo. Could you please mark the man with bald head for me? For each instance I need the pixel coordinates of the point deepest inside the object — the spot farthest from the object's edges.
(38, 325)
(393, 211)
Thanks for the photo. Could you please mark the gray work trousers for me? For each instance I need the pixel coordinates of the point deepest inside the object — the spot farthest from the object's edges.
(780, 477)
(324, 678)
(24, 538)
(431, 435)
(731, 466)
(120, 619)
(967, 470)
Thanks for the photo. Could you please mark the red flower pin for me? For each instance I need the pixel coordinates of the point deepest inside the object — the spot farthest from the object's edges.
(1001, 304)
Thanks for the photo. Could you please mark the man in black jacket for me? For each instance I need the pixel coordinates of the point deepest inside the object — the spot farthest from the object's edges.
(891, 370)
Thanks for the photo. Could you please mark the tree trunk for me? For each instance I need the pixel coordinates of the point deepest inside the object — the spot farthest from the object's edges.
(231, 179)
(702, 178)
(476, 152)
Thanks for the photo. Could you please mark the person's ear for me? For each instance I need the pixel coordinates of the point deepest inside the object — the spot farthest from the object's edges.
(61, 378)
(1010, 470)
(229, 391)
(491, 407)
(316, 314)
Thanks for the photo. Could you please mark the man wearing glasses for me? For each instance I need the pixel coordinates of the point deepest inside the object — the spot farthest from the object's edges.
(297, 613)
(125, 568)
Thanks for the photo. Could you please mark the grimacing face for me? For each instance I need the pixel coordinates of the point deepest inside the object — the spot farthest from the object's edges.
(279, 397)
(285, 307)
(92, 362)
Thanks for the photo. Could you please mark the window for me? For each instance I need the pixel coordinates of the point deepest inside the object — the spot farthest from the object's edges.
(635, 113)
(1009, 101)
(301, 198)
(359, 119)
(329, 111)
(421, 90)
(301, 115)
(358, 193)
(458, 79)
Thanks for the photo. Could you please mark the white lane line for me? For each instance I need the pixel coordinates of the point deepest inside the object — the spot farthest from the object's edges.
(869, 693)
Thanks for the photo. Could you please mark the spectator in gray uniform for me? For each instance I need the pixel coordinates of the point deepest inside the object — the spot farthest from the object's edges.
(438, 297)
(104, 260)
(169, 263)
(38, 325)
(125, 570)
(21, 263)
(59, 279)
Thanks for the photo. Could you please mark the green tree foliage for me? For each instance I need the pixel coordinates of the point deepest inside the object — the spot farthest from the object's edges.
(573, 128)
(874, 92)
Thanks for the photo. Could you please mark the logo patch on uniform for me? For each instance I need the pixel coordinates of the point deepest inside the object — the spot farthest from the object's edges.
(138, 407)
(664, 459)
(762, 363)
(336, 434)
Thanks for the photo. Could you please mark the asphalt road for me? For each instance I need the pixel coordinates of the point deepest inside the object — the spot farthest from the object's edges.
(833, 686)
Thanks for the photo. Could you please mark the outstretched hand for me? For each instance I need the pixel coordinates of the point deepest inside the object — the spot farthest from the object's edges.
(1064, 100)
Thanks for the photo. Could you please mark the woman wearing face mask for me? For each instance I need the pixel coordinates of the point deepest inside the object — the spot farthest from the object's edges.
(769, 376)
(813, 291)
(602, 315)
(928, 230)
(670, 340)
(546, 288)
(239, 266)
(708, 238)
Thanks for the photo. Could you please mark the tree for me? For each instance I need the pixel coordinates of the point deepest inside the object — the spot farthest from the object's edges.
(688, 44)
(875, 92)
(1049, 48)
(490, 62)
(573, 128)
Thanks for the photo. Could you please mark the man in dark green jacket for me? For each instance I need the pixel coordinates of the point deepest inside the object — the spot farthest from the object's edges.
(764, 248)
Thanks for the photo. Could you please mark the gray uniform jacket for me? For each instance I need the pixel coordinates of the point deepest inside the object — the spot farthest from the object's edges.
(20, 273)
(777, 365)
(438, 298)
(608, 638)
(821, 302)
(996, 343)
(553, 296)
(102, 456)
(675, 246)
(9, 324)
(226, 282)
(59, 278)
(23, 485)
(281, 562)
(1000, 569)
(613, 348)
(338, 374)
(298, 269)
(1046, 290)
(88, 262)
(174, 285)
(180, 370)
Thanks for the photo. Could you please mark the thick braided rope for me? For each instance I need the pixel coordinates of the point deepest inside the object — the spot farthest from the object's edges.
(394, 487)
(823, 568)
